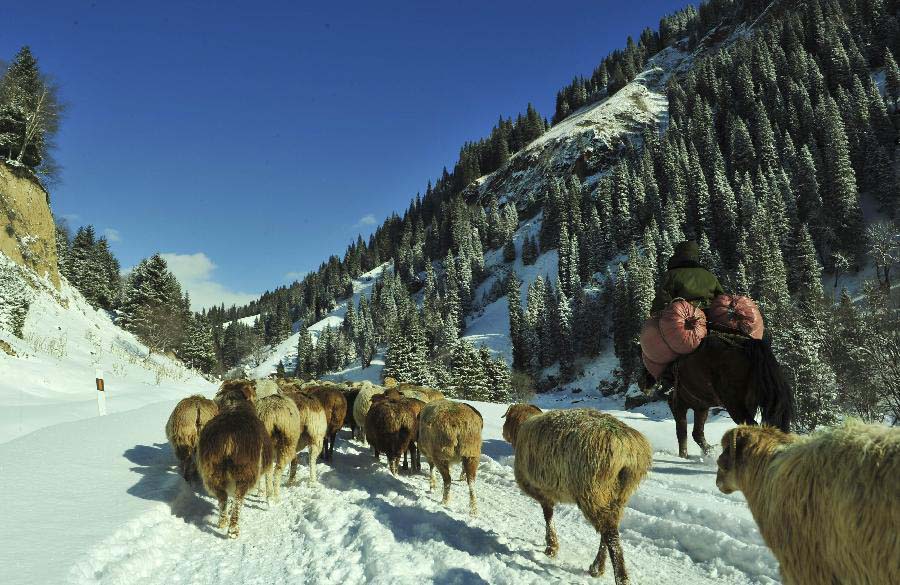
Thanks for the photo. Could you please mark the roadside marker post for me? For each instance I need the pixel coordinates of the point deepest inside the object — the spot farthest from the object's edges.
(101, 393)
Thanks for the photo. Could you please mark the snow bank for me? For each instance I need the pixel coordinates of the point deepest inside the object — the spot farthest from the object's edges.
(65, 340)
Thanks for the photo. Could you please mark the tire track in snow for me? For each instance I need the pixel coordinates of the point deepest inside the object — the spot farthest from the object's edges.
(361, 525)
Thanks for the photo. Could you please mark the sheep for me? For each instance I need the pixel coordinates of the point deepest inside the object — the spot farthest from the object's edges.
(281, 419)
(335, 406)
(362, 404)
(266, 387)
(350, 395)
(233, 449)
(313, 427)
(515, 415)
(826, 504)
(183, 430)
(450, 432)
(585, 457)
(390, 428)
(235, 390)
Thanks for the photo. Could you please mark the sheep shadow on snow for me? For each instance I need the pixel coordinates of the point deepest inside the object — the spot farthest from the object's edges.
(161, 482)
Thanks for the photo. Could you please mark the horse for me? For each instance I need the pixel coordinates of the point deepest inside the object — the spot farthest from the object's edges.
(734, 371)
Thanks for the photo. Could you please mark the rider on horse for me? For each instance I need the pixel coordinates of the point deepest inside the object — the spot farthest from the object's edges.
(687, 279)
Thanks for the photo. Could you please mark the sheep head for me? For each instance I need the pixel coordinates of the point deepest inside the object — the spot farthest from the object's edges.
(739, 445)
(515, 415)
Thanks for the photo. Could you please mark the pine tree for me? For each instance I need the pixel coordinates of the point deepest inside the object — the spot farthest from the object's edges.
(305, 366)
(197, 350)
(469, 380)
(516, 322)
(892, 77)
(806, 272)
(509, 251)
(151, 307)
(565, 332)
(839, 194)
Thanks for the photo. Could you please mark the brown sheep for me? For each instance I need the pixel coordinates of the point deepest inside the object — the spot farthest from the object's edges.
(585, 457)
(335, 406)
(233, 448)
(183, 430)
(390, 428)
(313, 427)
(450, 432)
(515, 415)
(235, 390)
(826, 504)
(281, 419)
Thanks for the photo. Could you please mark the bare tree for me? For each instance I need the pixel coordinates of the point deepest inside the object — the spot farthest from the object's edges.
(884, 246)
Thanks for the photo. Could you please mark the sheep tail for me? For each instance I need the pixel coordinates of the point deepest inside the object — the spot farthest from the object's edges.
(774, 394)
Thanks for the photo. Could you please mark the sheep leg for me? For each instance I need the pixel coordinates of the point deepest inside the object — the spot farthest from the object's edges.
(293, 473)
(418, 457)
(700, 416)
(444, 468)
(233, 528)
(432, 481)
(313, 454)
(614, 546)
(599, 565)
(470, 466)
(331, 446)
(550, 535)
(222, 496)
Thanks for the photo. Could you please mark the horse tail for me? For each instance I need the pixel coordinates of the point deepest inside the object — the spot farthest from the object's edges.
(775, 396)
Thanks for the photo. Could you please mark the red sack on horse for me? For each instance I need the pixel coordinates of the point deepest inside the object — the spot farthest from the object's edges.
(676, 331)
(737, 312)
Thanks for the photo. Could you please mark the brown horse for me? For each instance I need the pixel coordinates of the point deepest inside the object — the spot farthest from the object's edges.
(734, 371)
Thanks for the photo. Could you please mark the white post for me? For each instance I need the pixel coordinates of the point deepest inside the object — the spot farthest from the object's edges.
(101, 393)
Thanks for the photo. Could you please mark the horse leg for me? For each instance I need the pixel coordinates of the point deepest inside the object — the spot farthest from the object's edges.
(679, 411)
(700, 416)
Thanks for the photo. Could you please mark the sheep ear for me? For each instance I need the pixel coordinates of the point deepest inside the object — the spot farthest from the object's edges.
(739, 441)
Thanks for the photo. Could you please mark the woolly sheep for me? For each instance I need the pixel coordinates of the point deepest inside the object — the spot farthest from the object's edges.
(335, 406)
(515, 415)
(313, 426)
(232, 391)
(183, 430)
(585, 457)
(390, 428)
(450, 432)
(281, 419)
(233, 449)
(826, 504)
(362, 404)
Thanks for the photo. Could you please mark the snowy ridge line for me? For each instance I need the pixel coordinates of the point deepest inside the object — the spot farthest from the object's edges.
(362, 525)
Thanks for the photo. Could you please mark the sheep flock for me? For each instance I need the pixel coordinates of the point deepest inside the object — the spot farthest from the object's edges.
(827, 504)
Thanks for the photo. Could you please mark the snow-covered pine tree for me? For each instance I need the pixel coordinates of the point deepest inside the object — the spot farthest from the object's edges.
(516, 321)
(152, 305)
(469, 381)
(565, 327)
(197, 350)
(305, 366)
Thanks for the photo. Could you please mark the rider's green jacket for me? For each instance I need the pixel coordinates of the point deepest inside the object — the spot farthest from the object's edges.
(687, 279)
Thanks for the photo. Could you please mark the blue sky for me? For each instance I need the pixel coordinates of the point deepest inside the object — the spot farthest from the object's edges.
(249, 141)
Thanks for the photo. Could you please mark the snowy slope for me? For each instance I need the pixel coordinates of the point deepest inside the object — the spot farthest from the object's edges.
(286, 351)
(65, 340)
(105, 493)
(588, 141)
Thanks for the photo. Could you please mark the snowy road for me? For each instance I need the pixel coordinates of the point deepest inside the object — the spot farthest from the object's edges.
(142, 524)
